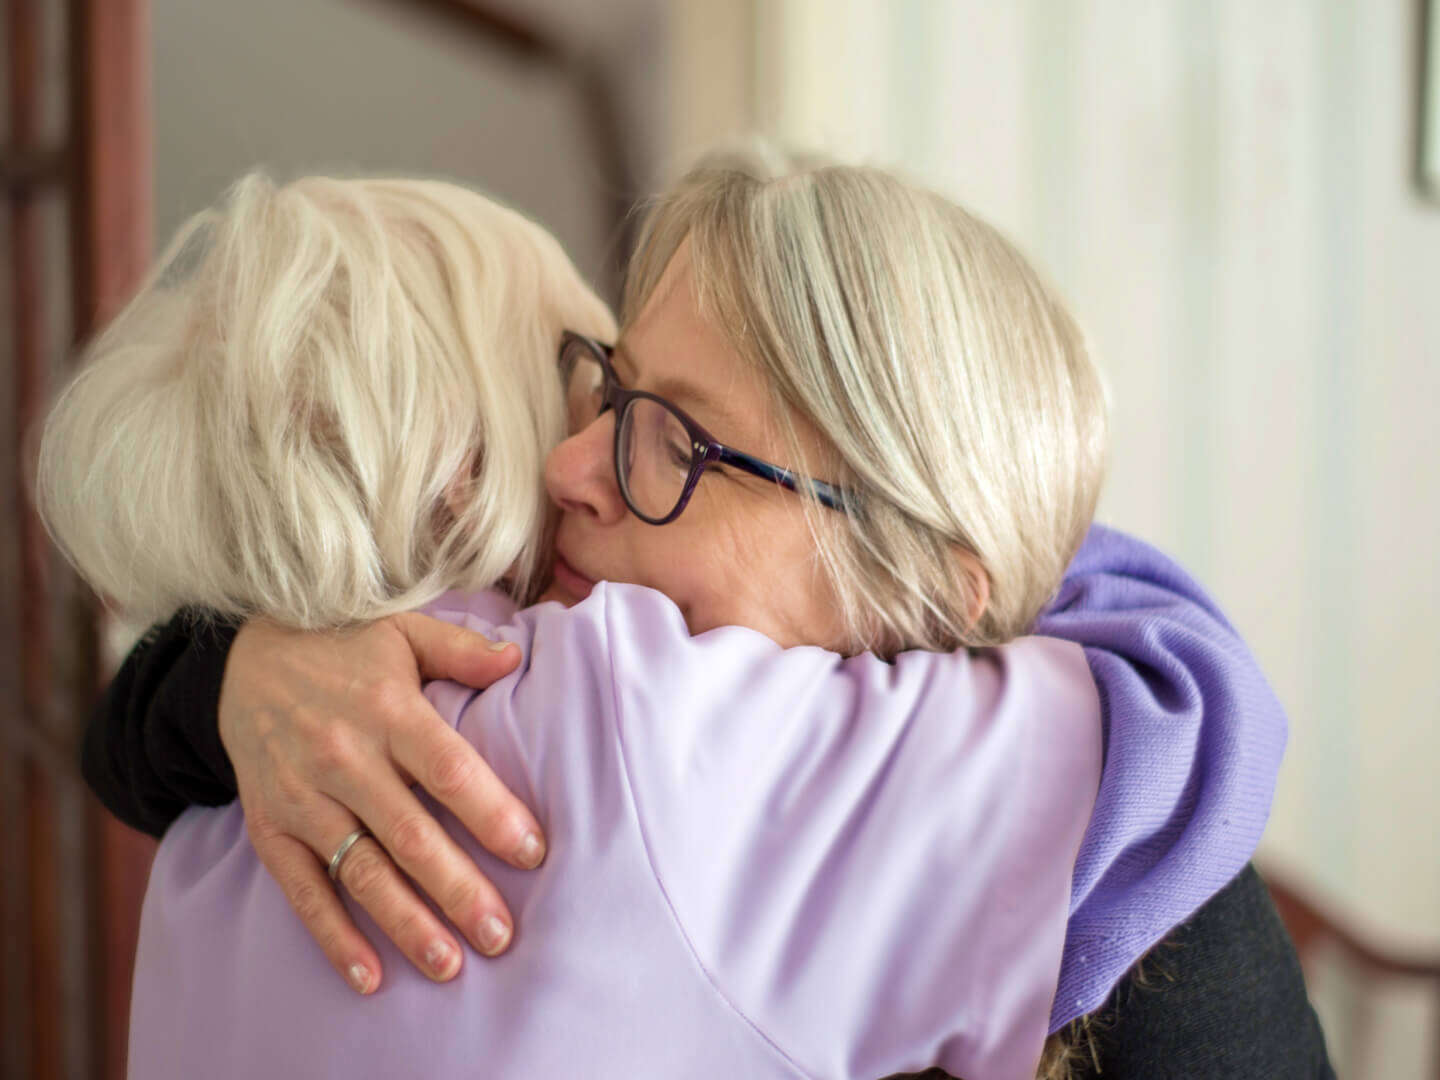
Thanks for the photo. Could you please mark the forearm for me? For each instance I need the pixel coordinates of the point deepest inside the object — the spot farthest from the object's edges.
(153, 747)
(1194, 737)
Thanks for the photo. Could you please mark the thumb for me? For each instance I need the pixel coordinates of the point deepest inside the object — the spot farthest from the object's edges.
(446, 651)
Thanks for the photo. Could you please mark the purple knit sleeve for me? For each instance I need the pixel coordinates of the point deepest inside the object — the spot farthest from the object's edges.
(1193, 741)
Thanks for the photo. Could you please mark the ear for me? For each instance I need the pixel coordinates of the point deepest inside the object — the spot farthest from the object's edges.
(460, 489)
(455, 494)
(452, 506)
(979, 585)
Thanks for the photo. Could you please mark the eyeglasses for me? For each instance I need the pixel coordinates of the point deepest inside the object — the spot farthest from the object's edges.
(659, 451)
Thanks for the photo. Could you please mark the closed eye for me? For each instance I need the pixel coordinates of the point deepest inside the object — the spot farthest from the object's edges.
(679, 453)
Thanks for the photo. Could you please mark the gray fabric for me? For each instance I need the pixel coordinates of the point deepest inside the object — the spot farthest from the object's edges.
(1222, 998)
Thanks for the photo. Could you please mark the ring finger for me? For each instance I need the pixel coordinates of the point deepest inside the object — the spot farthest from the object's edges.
(430, 859)
(374, 882)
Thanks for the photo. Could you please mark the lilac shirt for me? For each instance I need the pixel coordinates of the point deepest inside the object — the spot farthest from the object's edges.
(762, 862)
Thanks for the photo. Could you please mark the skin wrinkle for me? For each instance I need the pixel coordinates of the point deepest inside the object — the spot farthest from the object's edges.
(531, 795)
(710, 410)
(741, 553)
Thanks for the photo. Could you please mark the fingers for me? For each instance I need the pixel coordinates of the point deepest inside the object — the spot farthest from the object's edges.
(448, 767)
(420, 847)
(318, 729)
(371, 878)
(446, 651)
(310, 893)
(374, 883)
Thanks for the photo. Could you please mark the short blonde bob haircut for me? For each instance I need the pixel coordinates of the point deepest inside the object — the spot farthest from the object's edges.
(330, 401)
(953, 389)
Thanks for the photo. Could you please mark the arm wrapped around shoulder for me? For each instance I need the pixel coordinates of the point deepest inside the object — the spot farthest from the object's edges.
(329, 402)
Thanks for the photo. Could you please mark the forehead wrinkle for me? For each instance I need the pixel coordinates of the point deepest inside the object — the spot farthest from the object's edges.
(711, 412)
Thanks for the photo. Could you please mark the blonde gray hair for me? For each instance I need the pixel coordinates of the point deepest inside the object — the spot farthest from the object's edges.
(954, 390)
(329, 402)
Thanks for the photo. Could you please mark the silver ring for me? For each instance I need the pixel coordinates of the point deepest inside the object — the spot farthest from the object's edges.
(344, 849)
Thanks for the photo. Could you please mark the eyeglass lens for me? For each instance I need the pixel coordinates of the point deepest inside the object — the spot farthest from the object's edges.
(584, 385)
(653, 451)
(654, 457)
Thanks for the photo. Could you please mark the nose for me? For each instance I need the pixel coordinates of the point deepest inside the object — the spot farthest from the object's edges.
(580, 473)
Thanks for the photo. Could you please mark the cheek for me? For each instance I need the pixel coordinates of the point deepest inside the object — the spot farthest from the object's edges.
(754, 566)
(702, 571)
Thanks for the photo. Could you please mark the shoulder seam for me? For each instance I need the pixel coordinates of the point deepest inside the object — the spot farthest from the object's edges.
(710, 977)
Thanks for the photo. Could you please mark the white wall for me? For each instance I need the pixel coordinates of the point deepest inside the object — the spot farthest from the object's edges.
(1225, 191)
(363, 86)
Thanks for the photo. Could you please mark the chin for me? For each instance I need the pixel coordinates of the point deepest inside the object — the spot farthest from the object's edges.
(553, 595)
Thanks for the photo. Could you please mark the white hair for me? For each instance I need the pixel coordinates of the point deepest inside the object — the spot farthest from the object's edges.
(951, 386)
(329, 402)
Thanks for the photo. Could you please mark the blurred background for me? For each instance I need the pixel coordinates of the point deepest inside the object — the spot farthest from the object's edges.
(1240, 199)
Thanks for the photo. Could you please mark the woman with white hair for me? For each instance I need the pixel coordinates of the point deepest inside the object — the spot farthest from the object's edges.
(767, 866)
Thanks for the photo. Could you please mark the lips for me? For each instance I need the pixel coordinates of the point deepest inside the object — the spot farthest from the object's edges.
(571, 580)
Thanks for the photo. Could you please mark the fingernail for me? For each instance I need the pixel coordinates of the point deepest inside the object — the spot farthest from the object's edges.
(499, 646)
(531, 852)
(440, 957)
(493, 934)
(360, 978)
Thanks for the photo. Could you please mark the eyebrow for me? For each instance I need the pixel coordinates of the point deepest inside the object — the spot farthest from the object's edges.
(693, 399)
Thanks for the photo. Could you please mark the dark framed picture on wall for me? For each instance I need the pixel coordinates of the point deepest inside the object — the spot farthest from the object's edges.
(1429, 164)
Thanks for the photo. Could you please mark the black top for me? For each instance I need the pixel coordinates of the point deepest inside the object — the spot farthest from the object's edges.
(153, 746)
(1221, 999)
(1221, 996)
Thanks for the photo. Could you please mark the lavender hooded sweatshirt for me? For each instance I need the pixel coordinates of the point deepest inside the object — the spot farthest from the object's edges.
(762, 862)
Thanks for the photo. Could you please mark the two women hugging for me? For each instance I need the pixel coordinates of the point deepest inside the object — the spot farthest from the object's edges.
(847, 745)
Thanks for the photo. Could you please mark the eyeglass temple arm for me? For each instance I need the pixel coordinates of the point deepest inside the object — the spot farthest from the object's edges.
(829, 495)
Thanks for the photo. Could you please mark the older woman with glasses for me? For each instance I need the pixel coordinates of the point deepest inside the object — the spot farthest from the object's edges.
(660, 453)
(889, 847)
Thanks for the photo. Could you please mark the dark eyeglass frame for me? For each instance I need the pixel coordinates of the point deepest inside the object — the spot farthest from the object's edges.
(705, 449)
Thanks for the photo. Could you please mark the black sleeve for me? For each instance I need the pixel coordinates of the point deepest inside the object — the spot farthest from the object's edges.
(1222, 997)
(153, 745)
